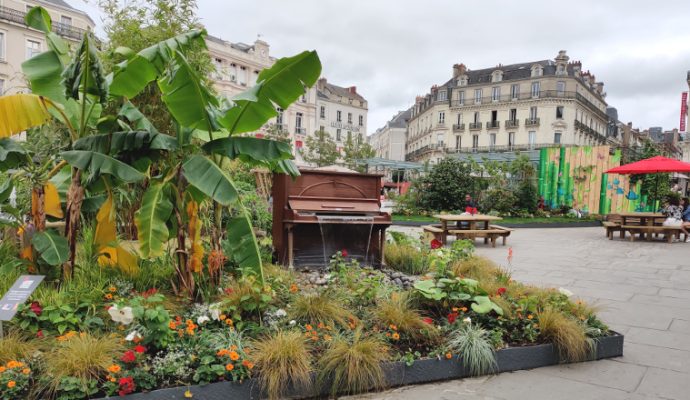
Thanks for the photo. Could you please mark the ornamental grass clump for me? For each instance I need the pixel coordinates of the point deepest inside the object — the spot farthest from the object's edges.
(354, 364)
(320, 308)
(472, 344)
(478, 268)
(82, 356)
(566, 334)
(398, 311)
(406, 258)
(15, 347)
(282, 359)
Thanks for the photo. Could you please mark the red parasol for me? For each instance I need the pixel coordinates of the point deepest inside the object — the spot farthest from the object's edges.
(651, 166)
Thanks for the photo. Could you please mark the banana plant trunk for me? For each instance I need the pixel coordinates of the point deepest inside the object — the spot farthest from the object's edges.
(75, 197)
(185, 278)
(38, 213)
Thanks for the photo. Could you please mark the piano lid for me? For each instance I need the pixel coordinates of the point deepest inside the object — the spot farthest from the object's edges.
(335, 205)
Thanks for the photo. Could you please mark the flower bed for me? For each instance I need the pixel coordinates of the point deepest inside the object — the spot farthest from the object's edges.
(360, 331)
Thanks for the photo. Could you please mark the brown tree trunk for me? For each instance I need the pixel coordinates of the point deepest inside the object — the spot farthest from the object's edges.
(185, 278)
(75, 197)
(38, 213)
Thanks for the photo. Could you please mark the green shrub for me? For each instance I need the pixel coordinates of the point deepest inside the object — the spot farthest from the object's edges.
(473, 344)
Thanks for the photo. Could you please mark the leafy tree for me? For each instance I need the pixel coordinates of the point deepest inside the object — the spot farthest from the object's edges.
(356, 149)
(527, 196)
(655, 186)
(445, 186)
(321, 149)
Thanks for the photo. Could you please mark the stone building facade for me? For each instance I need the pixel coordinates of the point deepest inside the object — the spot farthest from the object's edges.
(389, 141)
(341, 112)
(18, 42)
(507, 108)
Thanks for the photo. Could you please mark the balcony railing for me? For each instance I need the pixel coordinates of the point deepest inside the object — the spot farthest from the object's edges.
(501, 148)
(492, 125)
(458, 127)
(475, 126)
(532, 122)
(301, 131)
(589, 131)
(512, 123)
(12, 15)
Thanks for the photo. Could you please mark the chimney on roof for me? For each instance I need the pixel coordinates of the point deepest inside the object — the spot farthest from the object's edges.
(352, 89)
(321, 83)
(459, 69)
(600, 87)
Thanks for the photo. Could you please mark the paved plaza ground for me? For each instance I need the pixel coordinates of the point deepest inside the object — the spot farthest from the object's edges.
(644, 292)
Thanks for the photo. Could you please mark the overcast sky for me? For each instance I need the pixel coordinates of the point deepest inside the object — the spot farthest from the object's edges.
(393, 50)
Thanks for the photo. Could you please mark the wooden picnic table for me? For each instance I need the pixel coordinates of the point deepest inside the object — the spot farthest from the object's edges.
(468, 222)
(640, 219)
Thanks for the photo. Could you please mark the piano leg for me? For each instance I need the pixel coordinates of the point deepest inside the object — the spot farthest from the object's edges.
(290, 250)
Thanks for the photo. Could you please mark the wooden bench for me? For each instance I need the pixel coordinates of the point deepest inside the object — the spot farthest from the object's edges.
(669, 231)
(488, 234)
(436, 231)
(611, 228)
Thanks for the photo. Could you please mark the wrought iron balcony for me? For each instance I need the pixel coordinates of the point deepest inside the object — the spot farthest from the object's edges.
(532, 122)
(16, 16)
(501, 148)
(512, 123)
(492, 125)
(474, 126)
(458, 127)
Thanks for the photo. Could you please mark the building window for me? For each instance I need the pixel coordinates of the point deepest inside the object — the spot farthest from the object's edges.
(2, 87)
(511, 139)
(495, 93)
(441, 118)
(461, 97)
(497, 76)
(492, 139)
(536, 88)
(462, 81)
(442, 95)
(536, 71)
(361, 120)
(303, 99)
(322, 112)
(339, 116)
(33, 48)
(560, 88)
(477, 96)
(458, 142)
(494, 115)
(2, 45)
(559, 112)
(532, 138)
(439, 139)
(476, 117)
(298, 122)
(533, 113)
(66, 20)
(279, 117)
(514, 91)
(557, 137)
(349, 118)
(475, 141)
(338, 135)
(512, 114)
(242, 77)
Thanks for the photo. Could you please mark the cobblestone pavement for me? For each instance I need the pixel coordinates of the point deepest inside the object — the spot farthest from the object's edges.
(643, 290)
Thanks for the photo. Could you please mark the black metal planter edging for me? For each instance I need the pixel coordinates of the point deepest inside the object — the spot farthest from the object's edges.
(397, 373)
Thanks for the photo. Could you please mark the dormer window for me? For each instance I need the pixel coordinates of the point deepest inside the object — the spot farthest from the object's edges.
(561, 70)
(537, 70)
(442, 95)
(462, 80)
(497, 76)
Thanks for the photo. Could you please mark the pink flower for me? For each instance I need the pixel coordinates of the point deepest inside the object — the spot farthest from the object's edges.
(36, 308)
(436, 244)
(344, 252)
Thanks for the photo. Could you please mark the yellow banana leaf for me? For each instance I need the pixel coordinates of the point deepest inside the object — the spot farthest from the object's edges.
(106, 230)
(107, 256)
(19, 112)
(105, 238)
(52, 201)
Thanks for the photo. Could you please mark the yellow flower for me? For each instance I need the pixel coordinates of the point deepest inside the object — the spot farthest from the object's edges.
(188, 394)
(11, 384)
(114, 368)
(327, 338)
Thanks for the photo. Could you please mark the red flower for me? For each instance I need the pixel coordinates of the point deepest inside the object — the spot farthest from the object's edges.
(149, 292)
(140, 349)
(436, 244)
(500, 291)
(228, 290)
(428, 320)
(126, 386)
(344, 252)
(129, 357)
(36, 308)
(39, 334)
(452, 317)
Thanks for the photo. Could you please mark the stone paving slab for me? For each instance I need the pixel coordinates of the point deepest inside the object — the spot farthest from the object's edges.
(644, 291)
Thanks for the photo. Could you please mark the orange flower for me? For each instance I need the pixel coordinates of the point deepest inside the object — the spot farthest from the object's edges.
(449, 356)
(530, 316)
(12, 364)
(108, 296)
(234, 356)
(246, 351)
(11, 384)
(315, 338)
(393, 327)
(113, 380)
(294, 288)
(308, 327)
(172, 325)
(114, 368)
(396, 336)
(248, 364)
(112, 289)
(233, 347)
(320, 325)
(464, 309)
(229, 367)
(223, 317)
(228, 322)
(222, 352)
(327, 338)
(2, 369)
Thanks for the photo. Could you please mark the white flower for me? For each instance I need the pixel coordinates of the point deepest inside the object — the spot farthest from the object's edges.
(214, 309)
(293, 322)
(122, 315)
(565, 291)
(203, 319)
(280, 313)
(467, 320)
(133, 335)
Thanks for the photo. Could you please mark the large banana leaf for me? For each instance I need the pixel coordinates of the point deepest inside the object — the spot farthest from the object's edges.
(279, 85)
(189, 101)
(11, 154)
(19, 112)
(241, 244)
(6, 190)
(85, 74)
(130, 77)
(121, 142)
(151, 220)
(210, 179)
(52, 247)
(138, 120)
(98, 163)
(251, 150)
(44, 71)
